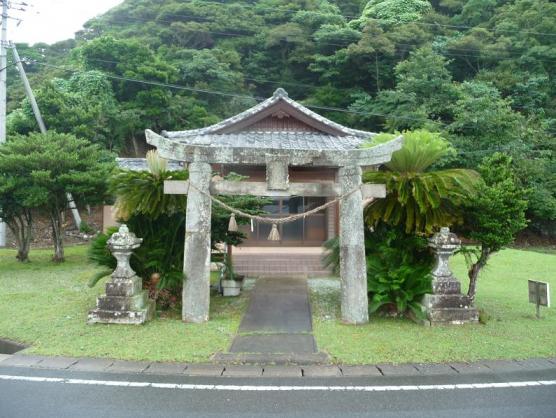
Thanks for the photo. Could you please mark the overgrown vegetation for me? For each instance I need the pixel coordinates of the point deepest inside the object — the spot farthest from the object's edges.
(480, 74)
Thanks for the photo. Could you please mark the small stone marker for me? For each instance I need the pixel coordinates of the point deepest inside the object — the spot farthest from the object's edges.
(125, 301)
(539, 294)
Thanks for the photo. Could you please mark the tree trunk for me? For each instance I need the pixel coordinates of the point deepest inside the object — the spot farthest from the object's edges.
(57, 236)
(474, 271)
(21, 227)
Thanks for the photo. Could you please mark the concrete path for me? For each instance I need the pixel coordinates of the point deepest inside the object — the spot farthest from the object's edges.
(277, 322)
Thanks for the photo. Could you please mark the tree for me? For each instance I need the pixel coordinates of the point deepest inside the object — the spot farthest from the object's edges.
(483, 120)
(418, 198)
(50, 166)
(16, 201)
(494, 215)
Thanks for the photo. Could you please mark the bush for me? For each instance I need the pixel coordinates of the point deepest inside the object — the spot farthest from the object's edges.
(398, 270)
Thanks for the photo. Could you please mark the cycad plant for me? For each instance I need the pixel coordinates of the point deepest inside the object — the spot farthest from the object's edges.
(418, 197)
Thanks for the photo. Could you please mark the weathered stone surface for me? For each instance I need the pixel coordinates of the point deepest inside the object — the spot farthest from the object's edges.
(22, 360)
(435, 369)
(282, 371)
(537, 364)
(165, 368)
(203, 370)
(398, 370)
(243, 371)
(56, 363)
(360, 371)
(353, 264)
(4, 357)
(503, 365)
(321, 371)
(92, 365)
(124, 302)
(121, 366)
(447, 306)
(196, 286)
(470, 368)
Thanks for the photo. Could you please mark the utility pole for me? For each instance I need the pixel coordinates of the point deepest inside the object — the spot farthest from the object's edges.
(3, 87)
(40, 121)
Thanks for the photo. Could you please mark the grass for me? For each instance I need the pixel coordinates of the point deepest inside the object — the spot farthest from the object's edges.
(510, 332)
(45, 305)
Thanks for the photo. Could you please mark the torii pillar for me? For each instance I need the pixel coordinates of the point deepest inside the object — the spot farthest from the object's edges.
(196, 262)
(353, 264)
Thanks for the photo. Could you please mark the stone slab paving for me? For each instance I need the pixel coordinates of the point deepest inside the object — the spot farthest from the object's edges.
(243, 371)
(274, 343)
(470, 368)
(435, 369)
(282, 371)
(56, 363)
(272, 358)
(321, 371)
(22, 361)
(278, 305)
(92, 365)
(127, 366)
(165, 368)
(210, 370)
(4, 357)
(503, 365)
(360, 371)
(398, 370)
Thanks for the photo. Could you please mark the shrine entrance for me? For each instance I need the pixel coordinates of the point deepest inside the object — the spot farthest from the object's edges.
(283, 136)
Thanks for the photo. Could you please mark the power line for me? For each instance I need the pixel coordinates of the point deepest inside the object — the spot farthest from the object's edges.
(235, 95)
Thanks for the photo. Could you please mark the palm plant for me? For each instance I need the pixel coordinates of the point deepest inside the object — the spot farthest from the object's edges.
(417, 197)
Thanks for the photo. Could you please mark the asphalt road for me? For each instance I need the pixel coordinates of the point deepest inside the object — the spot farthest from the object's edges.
(97, 395)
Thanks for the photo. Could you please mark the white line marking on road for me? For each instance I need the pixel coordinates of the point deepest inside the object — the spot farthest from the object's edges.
(253, 388)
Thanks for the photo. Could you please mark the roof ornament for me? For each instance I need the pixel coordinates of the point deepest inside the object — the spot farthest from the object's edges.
(280, 92)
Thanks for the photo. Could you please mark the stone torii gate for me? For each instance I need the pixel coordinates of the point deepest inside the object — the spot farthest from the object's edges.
(200, 149)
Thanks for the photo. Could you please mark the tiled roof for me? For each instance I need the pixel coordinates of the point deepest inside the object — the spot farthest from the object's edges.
(276, 140)
(345, 139)
(140, 164)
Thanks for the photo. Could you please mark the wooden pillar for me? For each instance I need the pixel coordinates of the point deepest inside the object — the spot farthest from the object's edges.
(196, 263)
(353, 266)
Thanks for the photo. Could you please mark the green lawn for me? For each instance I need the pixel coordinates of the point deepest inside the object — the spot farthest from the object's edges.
(510, 332)
(46, 305)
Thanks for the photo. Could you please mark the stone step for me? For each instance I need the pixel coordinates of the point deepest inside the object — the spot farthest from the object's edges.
(122, 317)
(452, 316)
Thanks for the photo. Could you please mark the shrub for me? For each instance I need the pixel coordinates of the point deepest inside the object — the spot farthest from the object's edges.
(398, 270)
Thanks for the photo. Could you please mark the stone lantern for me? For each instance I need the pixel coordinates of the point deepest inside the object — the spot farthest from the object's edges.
(447, 305)
(125, 301)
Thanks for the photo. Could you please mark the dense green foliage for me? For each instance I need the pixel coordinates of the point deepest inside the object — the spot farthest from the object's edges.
(419, 198)
(37, 171)
(479, 72)
(398, 270)
(494, 215)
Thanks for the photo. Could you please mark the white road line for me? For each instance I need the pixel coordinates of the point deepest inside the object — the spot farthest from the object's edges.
(253, 388)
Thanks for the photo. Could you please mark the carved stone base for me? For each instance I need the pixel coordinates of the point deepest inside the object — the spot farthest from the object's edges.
(449, 309)
(123, 303)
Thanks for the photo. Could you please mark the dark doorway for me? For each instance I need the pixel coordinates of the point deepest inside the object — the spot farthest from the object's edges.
(310, 231)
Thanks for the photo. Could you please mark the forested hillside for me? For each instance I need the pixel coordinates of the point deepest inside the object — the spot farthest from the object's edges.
(479, 71)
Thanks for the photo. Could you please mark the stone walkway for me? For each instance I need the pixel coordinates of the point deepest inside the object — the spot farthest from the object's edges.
(277, 326)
